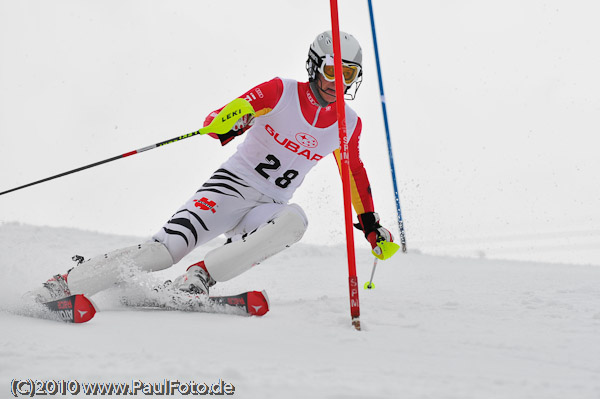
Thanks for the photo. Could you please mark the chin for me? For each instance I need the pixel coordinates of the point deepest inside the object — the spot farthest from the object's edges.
(330, 98)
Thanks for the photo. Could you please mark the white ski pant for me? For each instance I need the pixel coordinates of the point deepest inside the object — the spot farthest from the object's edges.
(226, 204)
(257, 228)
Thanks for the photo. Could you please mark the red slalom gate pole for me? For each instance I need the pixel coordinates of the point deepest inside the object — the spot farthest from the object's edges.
(345, 165)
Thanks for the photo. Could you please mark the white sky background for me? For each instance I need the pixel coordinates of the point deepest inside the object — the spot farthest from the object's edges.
(494, 110)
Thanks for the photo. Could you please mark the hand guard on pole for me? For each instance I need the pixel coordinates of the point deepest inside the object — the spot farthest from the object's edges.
(380, 238)
(241, 125)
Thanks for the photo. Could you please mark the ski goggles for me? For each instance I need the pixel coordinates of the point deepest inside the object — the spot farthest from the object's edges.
(349, 71)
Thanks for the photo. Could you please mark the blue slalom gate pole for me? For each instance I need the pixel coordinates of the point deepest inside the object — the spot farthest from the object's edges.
(387, 131)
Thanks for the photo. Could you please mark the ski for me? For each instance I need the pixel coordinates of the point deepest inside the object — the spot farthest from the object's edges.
(71, 309)
(251, 303)
(254, 303)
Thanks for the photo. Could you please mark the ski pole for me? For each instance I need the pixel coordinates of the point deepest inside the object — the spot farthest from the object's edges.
(369, 285)
(223, 123)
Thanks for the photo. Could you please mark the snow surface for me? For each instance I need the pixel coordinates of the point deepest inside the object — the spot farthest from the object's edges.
(434, 327)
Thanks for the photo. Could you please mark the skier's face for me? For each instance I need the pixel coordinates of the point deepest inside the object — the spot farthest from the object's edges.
(326, 89)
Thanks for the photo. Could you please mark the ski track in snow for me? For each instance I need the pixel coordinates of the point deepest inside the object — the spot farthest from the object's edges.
(434, 327)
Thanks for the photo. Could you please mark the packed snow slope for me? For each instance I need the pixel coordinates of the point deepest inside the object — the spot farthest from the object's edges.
(434, 327)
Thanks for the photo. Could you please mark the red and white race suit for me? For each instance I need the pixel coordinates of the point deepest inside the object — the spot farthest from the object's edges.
(291, 133)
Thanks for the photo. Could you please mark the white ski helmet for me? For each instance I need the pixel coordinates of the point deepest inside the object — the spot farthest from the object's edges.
(320, 60)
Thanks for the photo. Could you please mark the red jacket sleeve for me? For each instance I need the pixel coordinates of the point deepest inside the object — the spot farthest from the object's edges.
(362, 200)
(263, 99)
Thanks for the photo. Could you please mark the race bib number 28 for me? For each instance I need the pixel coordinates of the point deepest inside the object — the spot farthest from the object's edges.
(273, 164)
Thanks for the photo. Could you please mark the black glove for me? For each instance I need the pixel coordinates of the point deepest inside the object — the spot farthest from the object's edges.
(380, 238)
(374, 233)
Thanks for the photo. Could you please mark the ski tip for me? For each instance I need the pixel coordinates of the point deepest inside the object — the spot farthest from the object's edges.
(84, 309)
(258, 303)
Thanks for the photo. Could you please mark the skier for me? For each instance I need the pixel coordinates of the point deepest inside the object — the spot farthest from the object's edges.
(293, 128)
